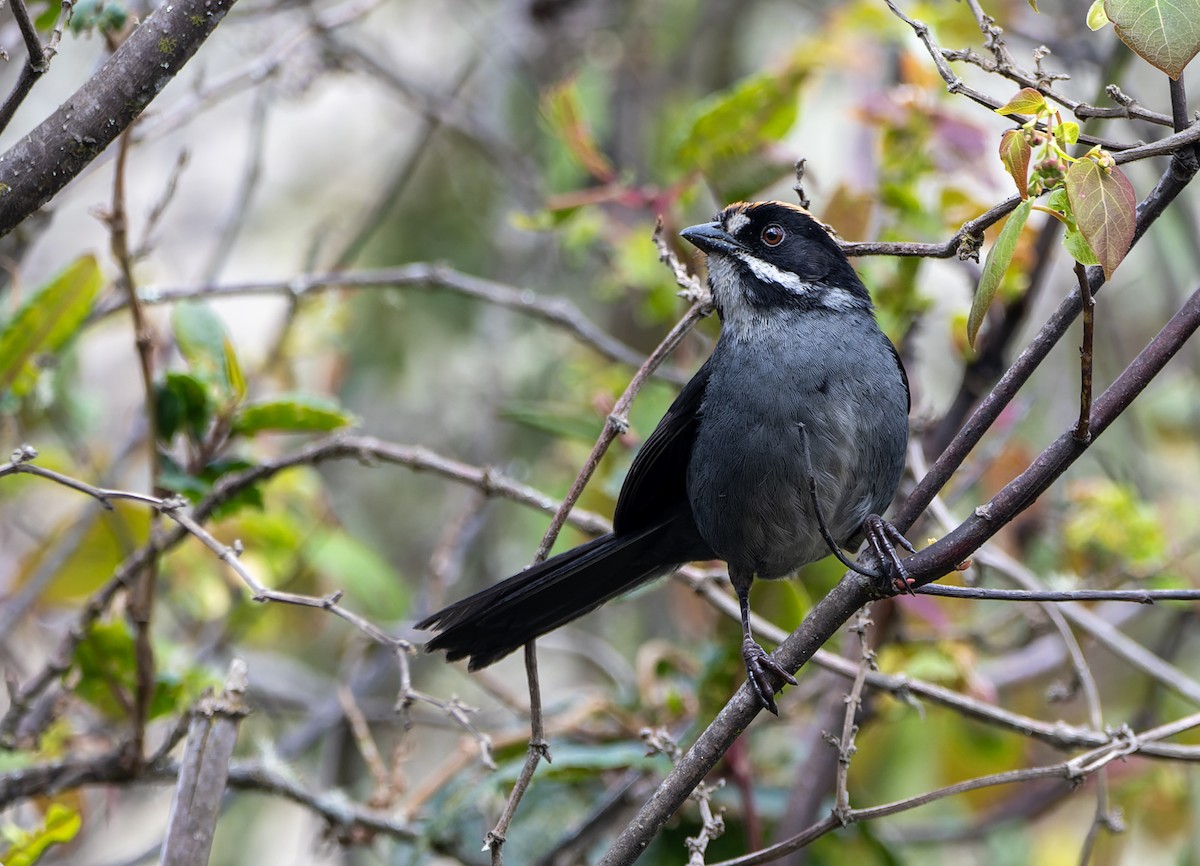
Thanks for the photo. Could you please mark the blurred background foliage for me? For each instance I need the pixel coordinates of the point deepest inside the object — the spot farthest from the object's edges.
(535, 143)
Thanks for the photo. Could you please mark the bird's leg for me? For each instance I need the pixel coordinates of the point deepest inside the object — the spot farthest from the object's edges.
(830, 542)
(883, 538)
(761, 669)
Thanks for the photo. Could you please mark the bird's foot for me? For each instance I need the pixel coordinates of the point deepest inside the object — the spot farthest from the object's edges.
(764, 672)
(883, 538)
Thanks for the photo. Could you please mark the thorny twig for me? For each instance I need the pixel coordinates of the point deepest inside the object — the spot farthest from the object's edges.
(845, 743)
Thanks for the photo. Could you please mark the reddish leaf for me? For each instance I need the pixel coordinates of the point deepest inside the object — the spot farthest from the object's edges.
(563, 108)
(1103, 204)
(1014, 153)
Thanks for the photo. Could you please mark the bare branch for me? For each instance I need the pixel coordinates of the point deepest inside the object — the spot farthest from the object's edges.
(43, 162)
(418, 275)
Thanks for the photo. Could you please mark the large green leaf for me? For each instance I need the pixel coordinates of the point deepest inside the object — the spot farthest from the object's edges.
(1164, 33)
(295, 413)
(205, 345)
(994, 267)
(1104, 207)
(738, 121)
(45, 322)
(368, 579)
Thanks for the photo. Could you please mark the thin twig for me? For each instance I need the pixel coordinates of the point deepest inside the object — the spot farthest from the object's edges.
(141, 601)
(845, 743)
(539, 750)
(618, 422)
(956, 85)
(36, 63)
(1119, 746)
(1136, 596)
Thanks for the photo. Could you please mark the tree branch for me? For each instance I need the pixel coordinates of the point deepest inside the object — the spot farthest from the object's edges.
(34, 169)
(418, 275)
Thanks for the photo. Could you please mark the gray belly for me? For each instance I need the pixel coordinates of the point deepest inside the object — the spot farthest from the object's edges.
(747, 482)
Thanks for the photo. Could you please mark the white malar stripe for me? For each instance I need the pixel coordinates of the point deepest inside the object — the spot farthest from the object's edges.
(735, 222)
(769, 273)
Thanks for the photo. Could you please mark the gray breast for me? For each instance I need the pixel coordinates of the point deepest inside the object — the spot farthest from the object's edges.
(746, 479)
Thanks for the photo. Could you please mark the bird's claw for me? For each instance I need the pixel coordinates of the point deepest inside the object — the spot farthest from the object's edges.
(883, 538)
(764, 672)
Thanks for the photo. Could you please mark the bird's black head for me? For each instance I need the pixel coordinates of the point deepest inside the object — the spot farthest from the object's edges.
(771, 255)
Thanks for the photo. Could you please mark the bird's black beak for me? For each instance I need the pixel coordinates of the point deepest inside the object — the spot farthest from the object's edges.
(711, 238)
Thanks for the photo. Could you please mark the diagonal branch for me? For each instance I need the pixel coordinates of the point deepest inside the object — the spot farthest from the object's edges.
(37, 167)
(828, 615)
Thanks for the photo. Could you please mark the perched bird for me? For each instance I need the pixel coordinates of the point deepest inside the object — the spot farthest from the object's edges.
(801, 386)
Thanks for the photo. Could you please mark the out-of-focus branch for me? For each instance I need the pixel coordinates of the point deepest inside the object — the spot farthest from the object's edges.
(365, 449)
(1122, 744)
(43, 162)
(174, 508)
(351, 821)
(417, 275)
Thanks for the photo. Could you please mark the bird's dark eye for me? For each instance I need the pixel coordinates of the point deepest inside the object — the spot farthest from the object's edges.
(773, 235)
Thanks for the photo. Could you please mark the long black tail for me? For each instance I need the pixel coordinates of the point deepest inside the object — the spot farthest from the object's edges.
(500, 619)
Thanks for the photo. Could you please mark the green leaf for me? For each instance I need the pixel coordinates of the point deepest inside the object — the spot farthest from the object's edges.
(60, 825)
(175, 478)
(565, 422)
(1096, 16)
(205, 345)
(106, 675)
(45, 322)
(1077, 247)
(48, 17)
(297, 413)
(92, 559)
(1066, 133)
(1015, 153)
(349, 564)
(233, 370)
(994, 267)
(1104, 206)
(1025, 101)
(1164, 33)
(1109, 523)
(182, 404)
(104, 660)
(736, 122)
